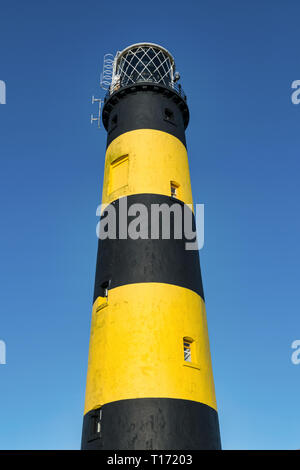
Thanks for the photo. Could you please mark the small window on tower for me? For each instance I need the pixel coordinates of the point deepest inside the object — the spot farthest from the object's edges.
(95, 425)
(174, 188)
(105, 287)
(187, 349)
(169, 115)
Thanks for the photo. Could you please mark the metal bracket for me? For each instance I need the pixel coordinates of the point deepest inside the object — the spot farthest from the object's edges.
(98, 117)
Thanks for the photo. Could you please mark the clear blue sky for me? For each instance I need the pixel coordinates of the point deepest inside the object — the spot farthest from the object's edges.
(237, 61)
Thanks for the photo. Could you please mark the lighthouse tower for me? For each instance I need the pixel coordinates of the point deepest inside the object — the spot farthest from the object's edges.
(149, 381)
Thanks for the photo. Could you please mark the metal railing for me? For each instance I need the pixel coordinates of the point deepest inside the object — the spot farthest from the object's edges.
(171, 85)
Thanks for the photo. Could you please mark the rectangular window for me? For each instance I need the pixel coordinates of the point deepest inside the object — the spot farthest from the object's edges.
(174, 188)
(95, 425)
(102, 300)
(118, 176)
(187, 352)
(105, 287)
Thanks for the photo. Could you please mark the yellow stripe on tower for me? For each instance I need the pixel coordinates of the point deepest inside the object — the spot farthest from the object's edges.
(146, 161)
(136, 346)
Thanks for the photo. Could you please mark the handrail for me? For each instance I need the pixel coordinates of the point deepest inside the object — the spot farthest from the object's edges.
(174, 86)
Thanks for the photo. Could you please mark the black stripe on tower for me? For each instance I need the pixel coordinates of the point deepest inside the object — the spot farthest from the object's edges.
(152, 423)
(128, 261)
(145, 106)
